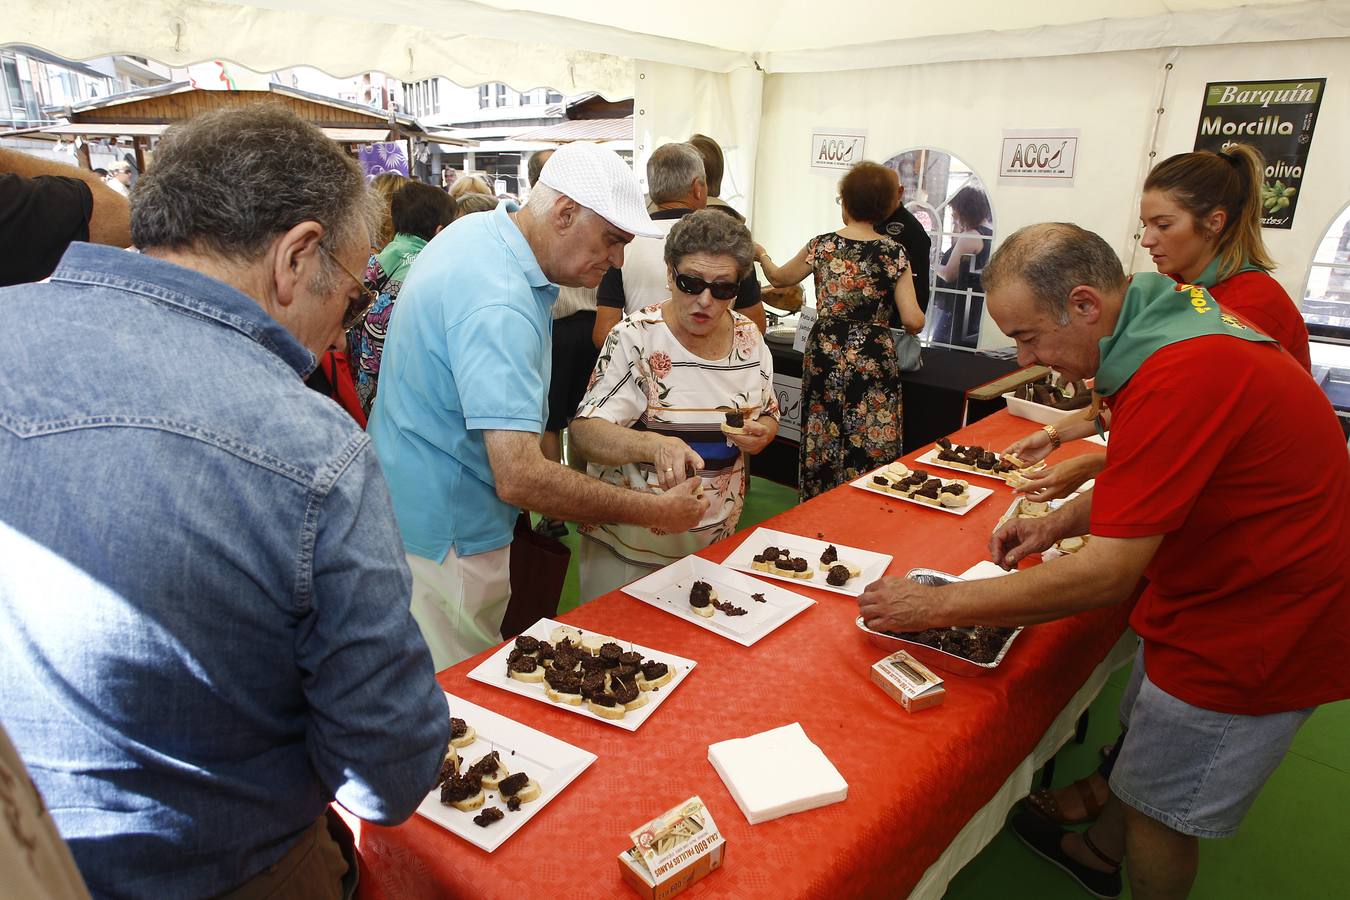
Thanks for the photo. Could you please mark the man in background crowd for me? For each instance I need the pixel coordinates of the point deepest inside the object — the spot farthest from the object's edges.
(677, 187)
(573, 359)
(44, 206)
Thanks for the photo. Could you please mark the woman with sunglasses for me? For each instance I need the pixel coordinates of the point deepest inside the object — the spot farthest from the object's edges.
(851, 405)
(669, 377)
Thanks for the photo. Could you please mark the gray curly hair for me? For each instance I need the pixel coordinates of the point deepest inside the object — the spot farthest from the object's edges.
(713, 232)
(229, 182)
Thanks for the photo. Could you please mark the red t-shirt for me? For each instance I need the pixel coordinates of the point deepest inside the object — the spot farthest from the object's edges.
(1230, 450)
(1259, 300)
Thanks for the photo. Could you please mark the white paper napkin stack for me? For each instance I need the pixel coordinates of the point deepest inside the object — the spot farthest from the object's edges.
(777, 773)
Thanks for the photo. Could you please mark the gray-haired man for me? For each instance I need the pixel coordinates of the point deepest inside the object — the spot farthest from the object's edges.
(207, 630)
(678, 187)
(465, 391)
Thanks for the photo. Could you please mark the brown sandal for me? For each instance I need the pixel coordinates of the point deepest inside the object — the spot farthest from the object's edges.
(1043, 803)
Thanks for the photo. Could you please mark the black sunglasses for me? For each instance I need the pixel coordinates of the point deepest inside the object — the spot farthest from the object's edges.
(721, 290)
(356, 308)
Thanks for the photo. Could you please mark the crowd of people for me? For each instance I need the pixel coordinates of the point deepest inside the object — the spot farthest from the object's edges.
(203, 533)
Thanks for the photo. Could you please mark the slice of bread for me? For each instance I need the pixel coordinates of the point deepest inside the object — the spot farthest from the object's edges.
(605, 712)
(556, 697)
(471, 803)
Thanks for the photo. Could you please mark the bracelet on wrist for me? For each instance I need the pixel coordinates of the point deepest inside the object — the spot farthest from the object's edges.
(1053, 434)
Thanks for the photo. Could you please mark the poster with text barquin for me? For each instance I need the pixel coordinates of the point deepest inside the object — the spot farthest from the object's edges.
(1275, 117)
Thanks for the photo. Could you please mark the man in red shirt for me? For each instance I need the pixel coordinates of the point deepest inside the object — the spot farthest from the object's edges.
(1227, 485)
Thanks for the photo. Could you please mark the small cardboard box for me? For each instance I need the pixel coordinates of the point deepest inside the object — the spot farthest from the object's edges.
(908, 681)
(672, 851)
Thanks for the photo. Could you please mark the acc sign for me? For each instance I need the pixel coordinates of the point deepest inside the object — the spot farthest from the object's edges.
(1047, 155)
(837, 149)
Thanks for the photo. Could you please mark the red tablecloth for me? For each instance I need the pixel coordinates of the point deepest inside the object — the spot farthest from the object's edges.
(914, 779)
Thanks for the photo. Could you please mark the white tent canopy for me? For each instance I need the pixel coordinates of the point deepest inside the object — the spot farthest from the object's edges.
(759, 75)
(590, 45)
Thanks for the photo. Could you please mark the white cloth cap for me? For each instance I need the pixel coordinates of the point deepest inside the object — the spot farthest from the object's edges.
(601, 181)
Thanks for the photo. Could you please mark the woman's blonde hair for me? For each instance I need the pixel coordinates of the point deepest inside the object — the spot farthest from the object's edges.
(470, 184)
(386, 184)
(1231, 180)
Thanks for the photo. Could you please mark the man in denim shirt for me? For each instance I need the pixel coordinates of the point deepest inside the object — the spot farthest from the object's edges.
(206, 635)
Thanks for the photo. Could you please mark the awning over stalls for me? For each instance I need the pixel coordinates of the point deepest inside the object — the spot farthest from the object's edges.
(581, 130)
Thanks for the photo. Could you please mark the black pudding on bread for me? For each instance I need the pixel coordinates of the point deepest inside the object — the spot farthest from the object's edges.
(700, 595)
(953, 488)
(830, 555)
(488, 765)
(624, 690)
(630, 658)
(653, 670)
(512, 784)
(771, 553)
(523, 664)
(563, 682)
(458, 728)
(461, 787)
(930, 488)
(603, 699)
(610, 653)
(736, 418)
(837, 576)
(527, 643)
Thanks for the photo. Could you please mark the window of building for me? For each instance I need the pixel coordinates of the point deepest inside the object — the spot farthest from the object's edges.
(1326, 300)
(435, 95)
(501, 94)
(1326, 310)
(484, 95)
(553, 97)
(951, 203)
(526, 98)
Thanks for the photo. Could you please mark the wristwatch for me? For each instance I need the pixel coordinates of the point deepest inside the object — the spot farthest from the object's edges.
(1053, 432)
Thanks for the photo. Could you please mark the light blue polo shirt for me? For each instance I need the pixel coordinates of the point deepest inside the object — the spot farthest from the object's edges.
(469, 349)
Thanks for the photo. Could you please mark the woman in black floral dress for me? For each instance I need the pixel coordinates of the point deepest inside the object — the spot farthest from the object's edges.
(851, 406)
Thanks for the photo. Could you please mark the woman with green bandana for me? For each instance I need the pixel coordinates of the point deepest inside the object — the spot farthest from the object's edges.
(1201, 215)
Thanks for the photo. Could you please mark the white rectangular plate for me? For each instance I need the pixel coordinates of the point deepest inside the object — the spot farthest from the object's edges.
(1097, 439)
(668, 589)
(493, 671)
(873, 565)
(930, 459)
(977, 494)
(549, 761)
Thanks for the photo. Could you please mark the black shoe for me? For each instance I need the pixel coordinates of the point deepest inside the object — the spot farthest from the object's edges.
(1044, 837)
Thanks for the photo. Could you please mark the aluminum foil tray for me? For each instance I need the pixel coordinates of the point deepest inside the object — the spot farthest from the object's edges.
(932, 656)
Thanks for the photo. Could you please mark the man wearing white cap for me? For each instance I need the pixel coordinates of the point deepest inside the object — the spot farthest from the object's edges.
(464, 393)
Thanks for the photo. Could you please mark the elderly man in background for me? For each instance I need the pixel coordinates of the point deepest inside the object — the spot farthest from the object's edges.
(573, 359)
(1245, 621)
(678, 187)
(208, 637)
(465, 385)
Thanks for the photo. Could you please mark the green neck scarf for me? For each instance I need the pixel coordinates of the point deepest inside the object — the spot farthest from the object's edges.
(1156, 313)
(398, 254)
(1210, 277)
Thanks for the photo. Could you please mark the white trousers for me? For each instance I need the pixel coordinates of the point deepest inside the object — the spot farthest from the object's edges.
(459, 603)
(601, 571)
